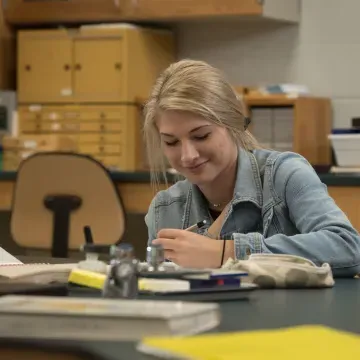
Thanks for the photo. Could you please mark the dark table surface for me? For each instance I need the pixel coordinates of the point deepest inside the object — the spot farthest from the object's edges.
(338, 307)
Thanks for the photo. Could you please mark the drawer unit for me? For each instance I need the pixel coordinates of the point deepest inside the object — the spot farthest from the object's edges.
(111, 134)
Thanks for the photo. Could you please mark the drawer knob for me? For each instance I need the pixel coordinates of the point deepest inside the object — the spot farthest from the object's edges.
(28, 67)
(118, 66)
(77, 67)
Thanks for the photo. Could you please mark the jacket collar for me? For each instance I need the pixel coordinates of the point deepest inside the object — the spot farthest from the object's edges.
(248, 187)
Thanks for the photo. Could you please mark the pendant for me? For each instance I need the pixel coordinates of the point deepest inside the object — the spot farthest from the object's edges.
(216, 205)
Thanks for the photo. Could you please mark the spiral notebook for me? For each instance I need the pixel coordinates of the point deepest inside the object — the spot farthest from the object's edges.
(12, 269)
(39, 273)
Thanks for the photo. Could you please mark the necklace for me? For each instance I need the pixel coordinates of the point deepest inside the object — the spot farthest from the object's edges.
(217, 206)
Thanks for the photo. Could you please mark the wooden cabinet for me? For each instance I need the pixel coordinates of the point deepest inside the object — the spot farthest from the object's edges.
(178, 9)
(92, 56)
(111, 134)
(58, 11)
(299, 124)
(107, 64)
(44, 66)
(7, 55)
(348, 200)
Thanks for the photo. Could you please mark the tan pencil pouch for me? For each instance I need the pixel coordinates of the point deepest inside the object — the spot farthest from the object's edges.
(283, 271)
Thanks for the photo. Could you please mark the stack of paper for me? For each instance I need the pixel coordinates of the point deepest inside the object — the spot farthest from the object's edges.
(7, 259)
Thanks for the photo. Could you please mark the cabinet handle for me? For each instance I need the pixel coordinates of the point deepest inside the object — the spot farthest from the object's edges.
(118, 66)
(66, 67)
(101, 148)
(102, 127)
(78, 67)
(102, 115)
(28, 67)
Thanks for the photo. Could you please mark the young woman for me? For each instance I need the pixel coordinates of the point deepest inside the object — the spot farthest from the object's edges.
(263, 201)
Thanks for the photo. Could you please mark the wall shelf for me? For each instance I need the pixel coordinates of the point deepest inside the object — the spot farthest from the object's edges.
(24, 12)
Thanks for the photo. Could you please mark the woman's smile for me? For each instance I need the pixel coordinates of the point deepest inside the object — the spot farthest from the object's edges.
(197, 168)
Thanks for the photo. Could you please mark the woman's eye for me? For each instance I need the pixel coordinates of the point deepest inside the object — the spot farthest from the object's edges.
(202, 137)
(171, 143)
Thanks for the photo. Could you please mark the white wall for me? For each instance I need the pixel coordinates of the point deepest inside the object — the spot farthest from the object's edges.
(322, 52)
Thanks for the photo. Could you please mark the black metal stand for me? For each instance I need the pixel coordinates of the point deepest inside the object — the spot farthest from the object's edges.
(61, 206)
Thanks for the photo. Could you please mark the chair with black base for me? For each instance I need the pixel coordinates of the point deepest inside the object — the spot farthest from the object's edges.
(57, 195)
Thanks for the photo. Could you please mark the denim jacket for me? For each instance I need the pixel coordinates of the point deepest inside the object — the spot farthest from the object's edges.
(279, 206)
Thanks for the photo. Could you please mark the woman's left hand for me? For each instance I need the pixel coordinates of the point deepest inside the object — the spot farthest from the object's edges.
(190, 250)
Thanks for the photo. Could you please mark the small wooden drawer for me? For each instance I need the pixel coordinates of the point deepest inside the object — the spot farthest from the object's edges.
(52, 115)
(98, 126)
(29, 115)
(71, 115)
(100, 138)
(30, 126)
(59, 126)
(100, 149)
(102, 115)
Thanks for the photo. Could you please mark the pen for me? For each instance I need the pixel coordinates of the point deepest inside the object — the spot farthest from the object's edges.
(88, 235)
(198, 225)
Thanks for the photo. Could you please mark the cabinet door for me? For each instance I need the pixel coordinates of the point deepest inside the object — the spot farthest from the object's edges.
(44, 68)
(98, 70)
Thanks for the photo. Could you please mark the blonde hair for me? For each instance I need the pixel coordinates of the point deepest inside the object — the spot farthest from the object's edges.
(195, 87)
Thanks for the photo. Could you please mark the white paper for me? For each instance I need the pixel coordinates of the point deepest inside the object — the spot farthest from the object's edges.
(66, 92)
(8, 259)
(35, 108)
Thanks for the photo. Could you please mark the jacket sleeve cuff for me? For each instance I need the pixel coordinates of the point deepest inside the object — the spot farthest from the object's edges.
(247, 244)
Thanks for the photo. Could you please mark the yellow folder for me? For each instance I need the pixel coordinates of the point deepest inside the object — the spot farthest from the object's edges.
(297, 343)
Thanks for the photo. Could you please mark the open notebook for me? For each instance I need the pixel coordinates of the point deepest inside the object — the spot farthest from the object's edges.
(12, 269)
(36, 273)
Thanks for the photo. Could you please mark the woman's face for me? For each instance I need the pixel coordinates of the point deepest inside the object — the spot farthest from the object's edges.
(196, 147)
